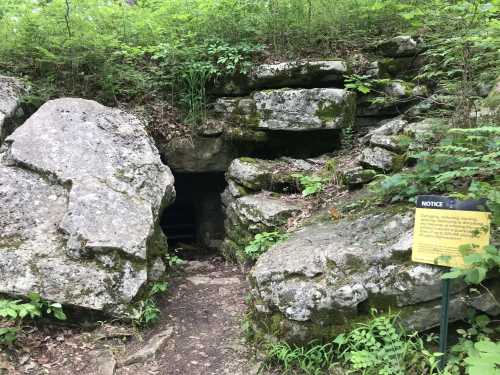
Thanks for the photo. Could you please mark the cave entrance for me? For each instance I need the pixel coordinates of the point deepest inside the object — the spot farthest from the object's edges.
(194, 223)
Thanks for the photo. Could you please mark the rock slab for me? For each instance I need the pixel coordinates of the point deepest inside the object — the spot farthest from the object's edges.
(11, 90)
(291, 109)
(82, 188)
(328, 275)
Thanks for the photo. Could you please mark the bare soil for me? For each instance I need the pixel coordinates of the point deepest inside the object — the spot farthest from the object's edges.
(203, 310)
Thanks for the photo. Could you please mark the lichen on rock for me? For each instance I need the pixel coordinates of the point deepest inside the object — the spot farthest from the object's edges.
(84, 188)
(327, 275)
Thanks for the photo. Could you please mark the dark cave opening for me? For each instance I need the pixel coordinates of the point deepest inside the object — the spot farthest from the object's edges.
(194, 223)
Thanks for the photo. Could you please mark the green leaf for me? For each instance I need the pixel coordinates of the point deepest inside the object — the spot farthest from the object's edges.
(454, 274)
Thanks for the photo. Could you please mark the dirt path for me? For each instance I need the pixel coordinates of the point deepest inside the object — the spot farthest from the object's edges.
(199, 333)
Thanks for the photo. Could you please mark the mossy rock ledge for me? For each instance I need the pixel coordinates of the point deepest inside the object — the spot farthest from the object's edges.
(82, 188)
(255, 200)
(291, 109)
(299, 73)
(326, 276)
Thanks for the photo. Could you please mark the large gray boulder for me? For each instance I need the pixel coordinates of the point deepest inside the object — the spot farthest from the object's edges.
(291, 109)
(11, 90)
(82, 189)
(327, 276)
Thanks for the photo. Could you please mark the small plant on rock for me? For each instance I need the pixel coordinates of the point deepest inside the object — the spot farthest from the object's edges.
(262, 242)
(146, 311)
(311, 185)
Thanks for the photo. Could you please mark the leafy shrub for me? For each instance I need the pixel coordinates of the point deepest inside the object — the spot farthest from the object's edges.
(484, 358)
(465, 163)
(381, 346)
(311, 184)
(262, 242)
(362, 84)
(15, 311)
(146, 312)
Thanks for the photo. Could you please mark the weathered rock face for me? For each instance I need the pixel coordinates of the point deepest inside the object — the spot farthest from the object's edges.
(82, 189)
(327, 276)
(291, 109)
(201, 154)
(392, 98)
(255, 200)
(248, 215)
(386, 145)
(400, 46)
(287, 74)
(10, 93)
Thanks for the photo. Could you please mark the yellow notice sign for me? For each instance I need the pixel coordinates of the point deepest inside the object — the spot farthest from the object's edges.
(438, 234)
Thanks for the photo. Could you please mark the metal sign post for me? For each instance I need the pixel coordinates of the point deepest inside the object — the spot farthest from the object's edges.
(442, 225)
(443, 321)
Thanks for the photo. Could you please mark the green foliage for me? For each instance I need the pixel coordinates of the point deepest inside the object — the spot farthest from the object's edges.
(359, 83)
(113, 52)
(379, 346)
(484, 359)
(146, 312)
(465, 163)
(174, 261)
(311, 359)
(262, 242)
(462, 49)
(15, 311)
(311, 185)
(478, 264)
(382, 347)
(473, 351)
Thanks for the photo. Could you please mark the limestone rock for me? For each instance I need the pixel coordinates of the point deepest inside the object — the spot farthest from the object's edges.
(11, 90)
(304, 74)
(386, 128)
(400, 46)
(251, 214)
(424, 131)
(82, 189)
(298, 74)
(265, 209)
(325, 275)
(271, 175)
(399, 67)
(392, 99)
(291, 109)
(358, 176)
(379, 158)
(151, 348)
(200, 154)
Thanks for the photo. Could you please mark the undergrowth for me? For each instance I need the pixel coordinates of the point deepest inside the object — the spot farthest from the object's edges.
(380, 346)
(13, 313)
(172, 49)
(262, 242)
